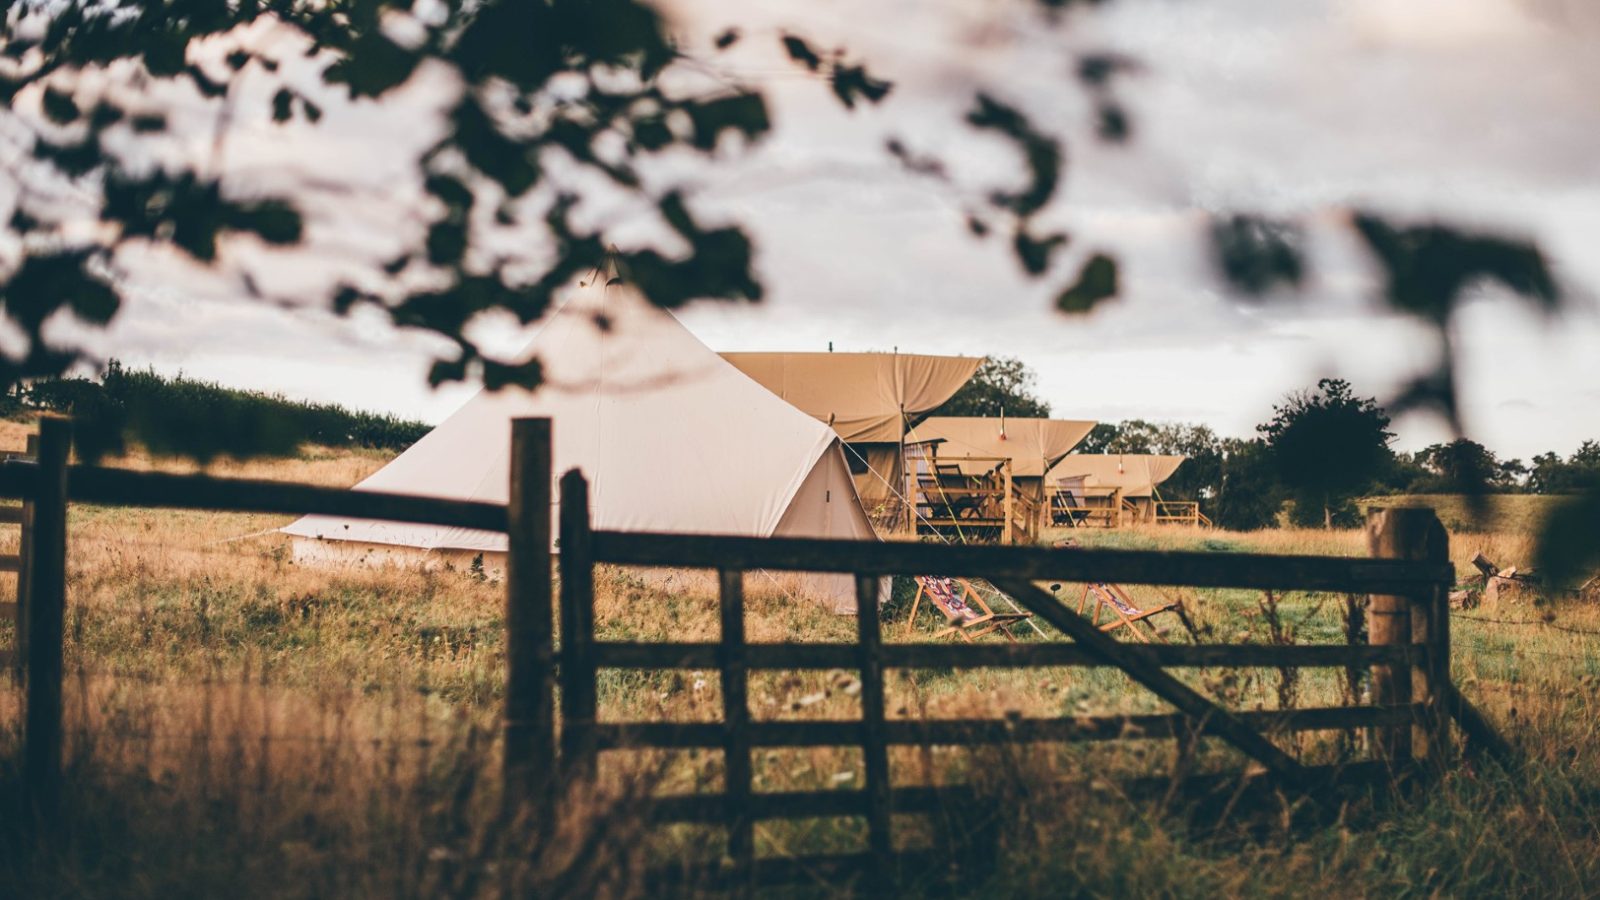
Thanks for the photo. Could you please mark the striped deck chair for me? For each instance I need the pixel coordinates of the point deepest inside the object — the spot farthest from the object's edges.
(1125, 613)
(965, 613)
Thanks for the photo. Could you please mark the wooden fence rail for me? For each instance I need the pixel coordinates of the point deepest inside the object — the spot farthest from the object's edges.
(555, 666)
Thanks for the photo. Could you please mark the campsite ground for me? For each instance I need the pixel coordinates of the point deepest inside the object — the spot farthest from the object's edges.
(239, 724)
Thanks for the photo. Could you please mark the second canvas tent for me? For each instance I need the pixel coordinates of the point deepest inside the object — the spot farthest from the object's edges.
(871, 400)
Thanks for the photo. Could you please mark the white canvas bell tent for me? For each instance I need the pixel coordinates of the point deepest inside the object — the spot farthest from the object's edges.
(671, 438)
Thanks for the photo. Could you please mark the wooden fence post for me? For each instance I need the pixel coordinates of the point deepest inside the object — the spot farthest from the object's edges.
(46, 601)
(530, 721)
(25, 555)
(874, 747)
(578, 694)
(736, 724)
(1422, 619)
(1006, 537)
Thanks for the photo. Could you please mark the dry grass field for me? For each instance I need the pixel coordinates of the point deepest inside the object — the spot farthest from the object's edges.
(241, 725)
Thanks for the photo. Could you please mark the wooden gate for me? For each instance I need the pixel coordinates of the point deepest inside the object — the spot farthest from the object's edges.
(1408, 657)
(1407, 650)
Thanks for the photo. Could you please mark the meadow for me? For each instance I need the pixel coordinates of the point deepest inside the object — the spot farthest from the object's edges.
(239, 724)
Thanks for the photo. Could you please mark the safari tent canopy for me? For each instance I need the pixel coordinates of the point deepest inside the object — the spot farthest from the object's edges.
(865, 396)
(868, 398)
(1136, 474)
(670, 436)
(1032, 445)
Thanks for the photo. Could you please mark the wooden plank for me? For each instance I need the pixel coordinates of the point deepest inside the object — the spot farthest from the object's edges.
(8, 609)
(530, 753)
(874, 747)
(963, 732)
(1204, 713)
(1410, 618)
(735, 722)
(25, 550)
(685, 655)
(7, 658)
(10, 563)
(1198, 569)
(119, 487)
(10, 515)
(1481, 734)
(579, 701)
(46, 609)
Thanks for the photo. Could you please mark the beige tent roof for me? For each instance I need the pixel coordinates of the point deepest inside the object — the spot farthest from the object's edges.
(862, 395)
(671, 437)
(1136, 473)
(1033, 445)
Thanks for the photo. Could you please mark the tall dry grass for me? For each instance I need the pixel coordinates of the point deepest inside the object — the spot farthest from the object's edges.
(241, 724)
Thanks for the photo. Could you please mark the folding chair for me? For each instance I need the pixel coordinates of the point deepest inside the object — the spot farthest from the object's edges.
(1125, 614)
(966, 614)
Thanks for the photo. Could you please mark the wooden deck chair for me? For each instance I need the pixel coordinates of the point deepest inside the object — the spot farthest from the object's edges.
(1125, 613)
(965, 613)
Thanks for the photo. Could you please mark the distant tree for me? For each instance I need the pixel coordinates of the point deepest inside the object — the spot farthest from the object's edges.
(1001, 384)
(1327, 445)
(1249, 496)
(1463, 465)
(1550, 474)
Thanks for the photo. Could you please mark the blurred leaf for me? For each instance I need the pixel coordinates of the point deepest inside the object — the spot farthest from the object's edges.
(1097, 281)
(282, 105)
(447, 243)
(1041, 153)
(375, 65)
(801, 52)
(852, 82)
(744, 113)
(1112, 123)
(1569, 542)
(59, 107)
(1035, 252)
(491, 152)
(1258, 254)
(1428, 266)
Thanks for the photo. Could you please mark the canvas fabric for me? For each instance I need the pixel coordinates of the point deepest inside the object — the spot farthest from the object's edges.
(1136, 474)
(671, 438)
(863, 396)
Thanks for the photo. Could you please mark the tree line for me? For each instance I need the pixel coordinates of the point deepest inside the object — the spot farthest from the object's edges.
(186, 416)
(1321, 450)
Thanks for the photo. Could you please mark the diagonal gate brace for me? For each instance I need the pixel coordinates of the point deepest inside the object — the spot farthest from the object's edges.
(1208, 717)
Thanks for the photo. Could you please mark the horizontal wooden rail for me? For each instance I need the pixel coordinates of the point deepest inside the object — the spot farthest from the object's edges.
(1198, 569)
(618, 655)
(957, 732)
(10, 562)
(10, 515)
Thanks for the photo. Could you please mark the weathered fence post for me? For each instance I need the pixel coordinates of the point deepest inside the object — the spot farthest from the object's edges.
(25, 555)
(736, 724)
(874, 746)
(1422, 619)
(578, 696)
(530, 721)
(46, 601)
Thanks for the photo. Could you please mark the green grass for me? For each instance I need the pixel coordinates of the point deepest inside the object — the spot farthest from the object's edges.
(1516, 513)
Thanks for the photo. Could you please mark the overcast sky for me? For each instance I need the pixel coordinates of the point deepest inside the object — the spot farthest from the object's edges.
(1479, 111)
